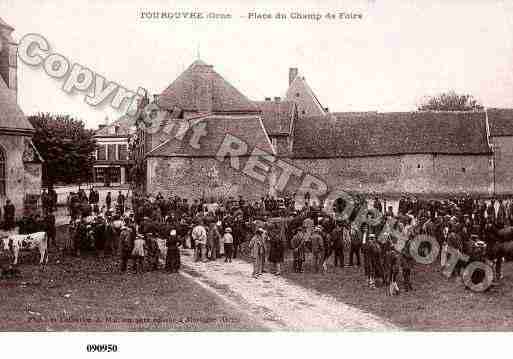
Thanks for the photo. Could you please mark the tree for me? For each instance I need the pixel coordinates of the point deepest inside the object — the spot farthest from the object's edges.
(66, 146)
(450, 101)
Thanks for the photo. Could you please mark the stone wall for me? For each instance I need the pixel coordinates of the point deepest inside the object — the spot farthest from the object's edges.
(428, 175)
(13, 147)
(503, 157)
(417, 174)
(194, 177)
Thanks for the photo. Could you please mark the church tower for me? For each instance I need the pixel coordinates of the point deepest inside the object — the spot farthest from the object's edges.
(8, 57)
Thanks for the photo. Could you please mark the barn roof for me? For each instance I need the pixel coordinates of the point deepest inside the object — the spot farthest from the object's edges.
(396, 133)
(201, 89)
(248, 129)
(12, 118)
(500, 121)
(277, 116)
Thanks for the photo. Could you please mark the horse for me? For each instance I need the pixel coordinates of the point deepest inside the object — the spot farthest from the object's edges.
(499, 246)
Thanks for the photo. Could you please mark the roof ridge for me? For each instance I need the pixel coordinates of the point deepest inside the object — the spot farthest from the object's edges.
(188, 91)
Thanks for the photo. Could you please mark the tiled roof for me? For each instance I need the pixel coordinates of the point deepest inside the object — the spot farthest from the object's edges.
(500, 121)
(124, 124)
(374, 134)
(302, 94)
(277, 116)
(200, 88)
(248, 129)
(12, 117)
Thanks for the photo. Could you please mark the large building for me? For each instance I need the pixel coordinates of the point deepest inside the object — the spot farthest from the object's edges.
(20, 163)
(112, 164)
(501, 138)
(280, 145)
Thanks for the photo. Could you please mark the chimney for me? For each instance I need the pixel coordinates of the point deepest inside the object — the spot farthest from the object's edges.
(277, 99)
(292, 74)
(268, 99)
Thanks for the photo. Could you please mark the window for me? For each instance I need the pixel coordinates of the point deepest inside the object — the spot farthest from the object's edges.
(122, 152)
(102, 156)
(303, 112)
(463, 169)
(418, 166)
(99, 174)
(2, 173)
(111, 152)
(297, 94)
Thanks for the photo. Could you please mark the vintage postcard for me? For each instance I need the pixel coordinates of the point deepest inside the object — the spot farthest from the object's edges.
(182, 166)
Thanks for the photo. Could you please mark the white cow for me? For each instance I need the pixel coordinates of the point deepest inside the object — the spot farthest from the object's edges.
(19, 242)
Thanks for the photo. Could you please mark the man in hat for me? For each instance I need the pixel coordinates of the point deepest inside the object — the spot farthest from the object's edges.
(317, 243)
(121, 203)
(298, 244)
(108, 200)
(444, 241)
(368, 256)
(138, 253)
(199, 236)
(152, 251)
(355, 246)
(127, 245)
(228, 244)
(213, 240)
(501, 215)
(308, 224)
(256, 246)
(337, 235)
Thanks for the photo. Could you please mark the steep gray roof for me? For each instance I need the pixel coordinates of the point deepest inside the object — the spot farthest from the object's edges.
(396, 133)
(277, 116)
(201, 89)
(12, 118)
(248, 129)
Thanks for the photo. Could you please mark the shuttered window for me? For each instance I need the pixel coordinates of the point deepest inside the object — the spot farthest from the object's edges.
(111, 152)
(102, 156)
(122, 152)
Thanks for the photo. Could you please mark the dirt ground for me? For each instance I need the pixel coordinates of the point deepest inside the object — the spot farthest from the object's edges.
(341, 300)
(87, 294)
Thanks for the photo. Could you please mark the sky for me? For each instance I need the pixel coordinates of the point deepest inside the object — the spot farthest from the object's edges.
(396, 55)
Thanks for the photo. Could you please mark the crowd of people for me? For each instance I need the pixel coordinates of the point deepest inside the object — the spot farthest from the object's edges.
(270, 231)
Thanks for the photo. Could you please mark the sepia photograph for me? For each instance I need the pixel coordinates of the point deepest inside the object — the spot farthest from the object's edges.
(185, 167)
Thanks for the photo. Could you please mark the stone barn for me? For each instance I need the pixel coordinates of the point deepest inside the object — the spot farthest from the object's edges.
(304, 148)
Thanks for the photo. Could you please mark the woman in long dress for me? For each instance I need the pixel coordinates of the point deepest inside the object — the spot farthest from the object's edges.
(173, 253)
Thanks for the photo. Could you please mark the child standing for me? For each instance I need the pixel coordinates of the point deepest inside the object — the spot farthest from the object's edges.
(228, 244)
(138, 253)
